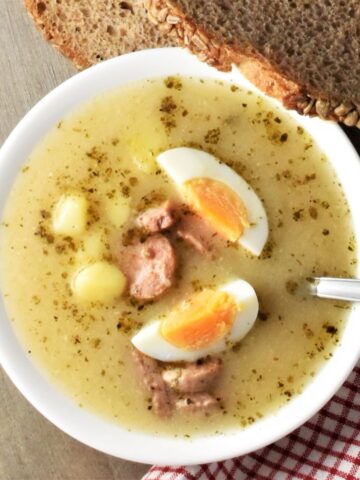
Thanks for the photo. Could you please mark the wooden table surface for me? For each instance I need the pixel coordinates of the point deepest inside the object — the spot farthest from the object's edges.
(31, 448)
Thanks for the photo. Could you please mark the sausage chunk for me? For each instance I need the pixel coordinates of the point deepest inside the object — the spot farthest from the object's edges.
(153, 382)
(149, 267)
(197, 233)
(194, 377)
(157, 219)
(196, 402)
(186, 388)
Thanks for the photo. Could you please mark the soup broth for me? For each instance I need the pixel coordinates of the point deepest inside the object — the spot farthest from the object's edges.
(107, 151)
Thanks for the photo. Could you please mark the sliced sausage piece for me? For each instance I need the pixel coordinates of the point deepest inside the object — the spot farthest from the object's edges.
(196, 402)
(157, 219)
(150, 373)
(197, 233)
(186, 388)
(194, 377)
(149, 267)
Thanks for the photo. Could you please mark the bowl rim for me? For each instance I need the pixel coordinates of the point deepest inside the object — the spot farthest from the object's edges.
(101, 434)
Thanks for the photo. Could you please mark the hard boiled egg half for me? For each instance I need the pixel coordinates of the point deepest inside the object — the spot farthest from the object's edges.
(219, 195)
(204, 323)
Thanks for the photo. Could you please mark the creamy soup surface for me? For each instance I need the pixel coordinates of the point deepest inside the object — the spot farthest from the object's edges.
(106, 151)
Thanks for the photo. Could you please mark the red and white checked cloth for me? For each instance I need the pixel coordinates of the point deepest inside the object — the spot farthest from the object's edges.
(327, 447)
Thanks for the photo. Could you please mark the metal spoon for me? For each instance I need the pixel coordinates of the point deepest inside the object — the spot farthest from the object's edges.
(337, 288)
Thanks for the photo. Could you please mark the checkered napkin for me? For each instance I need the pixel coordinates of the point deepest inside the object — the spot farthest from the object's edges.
(327, 447)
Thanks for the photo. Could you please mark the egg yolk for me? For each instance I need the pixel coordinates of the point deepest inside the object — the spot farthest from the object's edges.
(219, 204)
(200, 321)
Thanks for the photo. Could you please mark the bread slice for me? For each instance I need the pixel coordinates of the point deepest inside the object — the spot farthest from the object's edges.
(305, 53)
(88, 31)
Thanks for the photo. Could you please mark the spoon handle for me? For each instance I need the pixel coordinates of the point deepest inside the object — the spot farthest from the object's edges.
(337, 288)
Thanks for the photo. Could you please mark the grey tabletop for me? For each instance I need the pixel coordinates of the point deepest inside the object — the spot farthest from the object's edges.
(31, 448)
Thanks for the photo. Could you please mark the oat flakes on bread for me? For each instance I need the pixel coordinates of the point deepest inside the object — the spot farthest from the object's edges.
(88, 31)
(305, 53)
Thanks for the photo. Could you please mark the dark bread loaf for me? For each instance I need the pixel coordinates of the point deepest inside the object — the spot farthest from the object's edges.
(88, 31)
(305, 53)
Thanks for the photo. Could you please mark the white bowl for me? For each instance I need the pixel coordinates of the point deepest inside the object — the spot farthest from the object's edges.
(91, 429)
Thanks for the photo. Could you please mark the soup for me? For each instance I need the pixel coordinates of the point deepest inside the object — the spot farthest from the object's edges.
(104, 158)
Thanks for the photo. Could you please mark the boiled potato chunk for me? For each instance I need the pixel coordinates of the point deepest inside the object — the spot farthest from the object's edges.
(145, 162)
(98, 282)
(91, 248)
(142, 155)
(69, 216)
(117, 210)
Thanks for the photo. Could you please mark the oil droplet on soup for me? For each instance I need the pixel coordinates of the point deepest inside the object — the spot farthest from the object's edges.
(106, 153)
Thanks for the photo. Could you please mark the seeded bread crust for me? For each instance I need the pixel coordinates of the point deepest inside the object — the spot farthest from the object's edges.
(171, 19)
(89, 31)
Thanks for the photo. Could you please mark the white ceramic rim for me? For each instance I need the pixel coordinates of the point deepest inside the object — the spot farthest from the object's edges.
(91, 429)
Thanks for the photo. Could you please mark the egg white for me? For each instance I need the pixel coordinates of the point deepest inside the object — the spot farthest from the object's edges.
(183, 163)
(150, 341)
